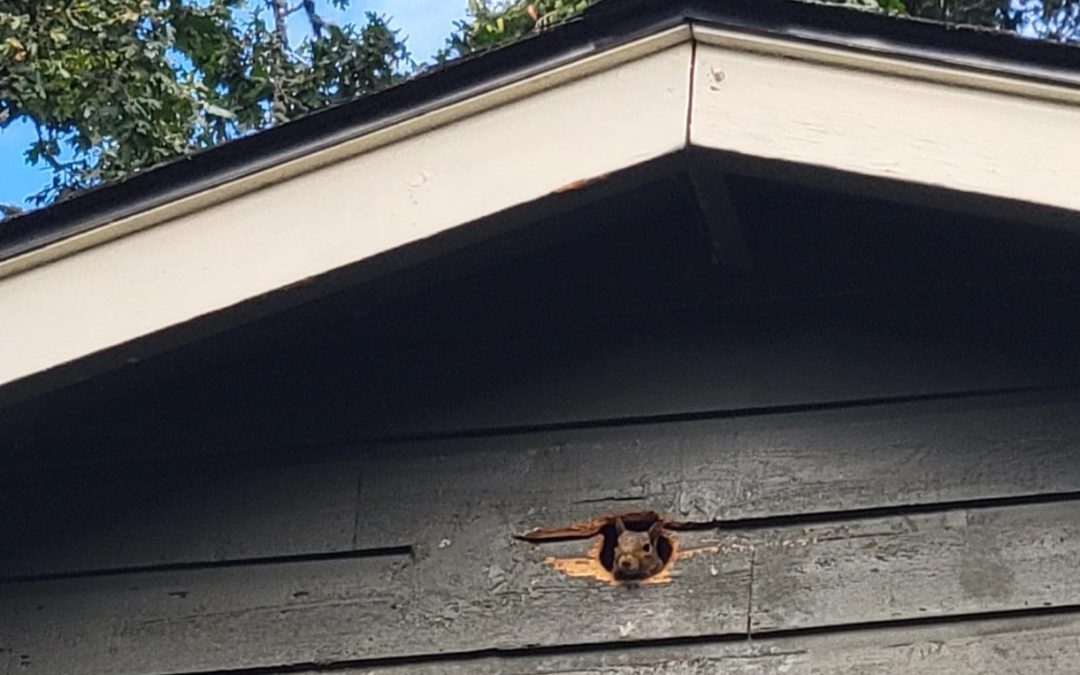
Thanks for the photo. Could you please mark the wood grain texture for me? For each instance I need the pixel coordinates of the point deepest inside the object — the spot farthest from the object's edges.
(471, 590)
(956, 562)
(1028, 646)
(173, 622)
(470, 586)
(201, 511)
(7, 635)
(733, 469)
(180, 513)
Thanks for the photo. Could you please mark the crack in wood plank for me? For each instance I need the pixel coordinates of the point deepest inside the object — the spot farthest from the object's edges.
(750, 597)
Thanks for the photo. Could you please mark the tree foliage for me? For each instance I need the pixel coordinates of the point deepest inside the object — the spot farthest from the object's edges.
(494, 22)
(491, 24)
(117, 86)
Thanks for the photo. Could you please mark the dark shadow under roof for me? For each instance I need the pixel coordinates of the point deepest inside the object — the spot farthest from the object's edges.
(606, 25)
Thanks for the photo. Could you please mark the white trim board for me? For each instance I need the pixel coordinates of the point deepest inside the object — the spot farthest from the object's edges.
(903, 127)
(291, 231)
(852, 111)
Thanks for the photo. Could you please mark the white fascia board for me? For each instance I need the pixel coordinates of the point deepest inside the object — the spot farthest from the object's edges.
(345, 205)
(949, 128)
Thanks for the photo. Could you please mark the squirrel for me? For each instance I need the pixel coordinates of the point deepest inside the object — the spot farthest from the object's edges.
(636, 555)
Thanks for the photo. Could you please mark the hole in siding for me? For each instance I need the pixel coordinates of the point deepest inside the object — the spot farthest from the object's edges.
(601, 562)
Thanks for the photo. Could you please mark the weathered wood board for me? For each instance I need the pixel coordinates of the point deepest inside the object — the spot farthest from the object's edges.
(468, 592)
(743, 468)
(183, 621)
(7, 636)
(471, 592)
(467, 585)
(1047, 645)
(950, 563)
(403, 494)
(203, 511)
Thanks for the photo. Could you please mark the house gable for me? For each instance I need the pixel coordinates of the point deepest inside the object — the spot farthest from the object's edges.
(371, 405)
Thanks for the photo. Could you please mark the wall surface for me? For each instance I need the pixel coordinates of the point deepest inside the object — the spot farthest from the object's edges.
(884, 481)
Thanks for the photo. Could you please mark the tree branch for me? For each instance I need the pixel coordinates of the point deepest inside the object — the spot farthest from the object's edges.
(278, 110)
(317, 22)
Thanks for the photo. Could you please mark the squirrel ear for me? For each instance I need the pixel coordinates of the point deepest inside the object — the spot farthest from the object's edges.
(655, 529)
(620, 526)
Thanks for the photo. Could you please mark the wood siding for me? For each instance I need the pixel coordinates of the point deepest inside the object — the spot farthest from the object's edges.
(868, 446)
(889, 515)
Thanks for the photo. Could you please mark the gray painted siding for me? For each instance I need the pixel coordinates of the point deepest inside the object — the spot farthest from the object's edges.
(873, 524)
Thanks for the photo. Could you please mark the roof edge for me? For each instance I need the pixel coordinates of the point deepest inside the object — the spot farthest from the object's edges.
(218, 187)
(458, 82)
(144, 199)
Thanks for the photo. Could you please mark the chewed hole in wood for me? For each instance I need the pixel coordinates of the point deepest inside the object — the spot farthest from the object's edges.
(628, 548)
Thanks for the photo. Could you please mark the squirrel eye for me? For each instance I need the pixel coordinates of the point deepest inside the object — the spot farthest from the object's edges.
(646, 548)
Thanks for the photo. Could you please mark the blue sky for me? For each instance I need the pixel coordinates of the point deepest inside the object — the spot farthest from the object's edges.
(425, 23)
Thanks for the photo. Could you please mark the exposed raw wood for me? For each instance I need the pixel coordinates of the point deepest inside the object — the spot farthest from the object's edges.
(957, 562)
(261, 242)
(200, 511)
(886, 126)
(1028, 646)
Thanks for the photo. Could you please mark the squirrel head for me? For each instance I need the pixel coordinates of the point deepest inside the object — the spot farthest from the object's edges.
(636, 554)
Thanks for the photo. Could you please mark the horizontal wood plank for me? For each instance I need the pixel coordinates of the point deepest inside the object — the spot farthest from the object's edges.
(482, 380)
(744, 468)
(951, 563)
(469, 585)
(472, 593)
(184, 621)
(476, 589)
(472, 590)
(202, 511)
(7, 636)
(1024, 646)
(766, 466)
(701, 365)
